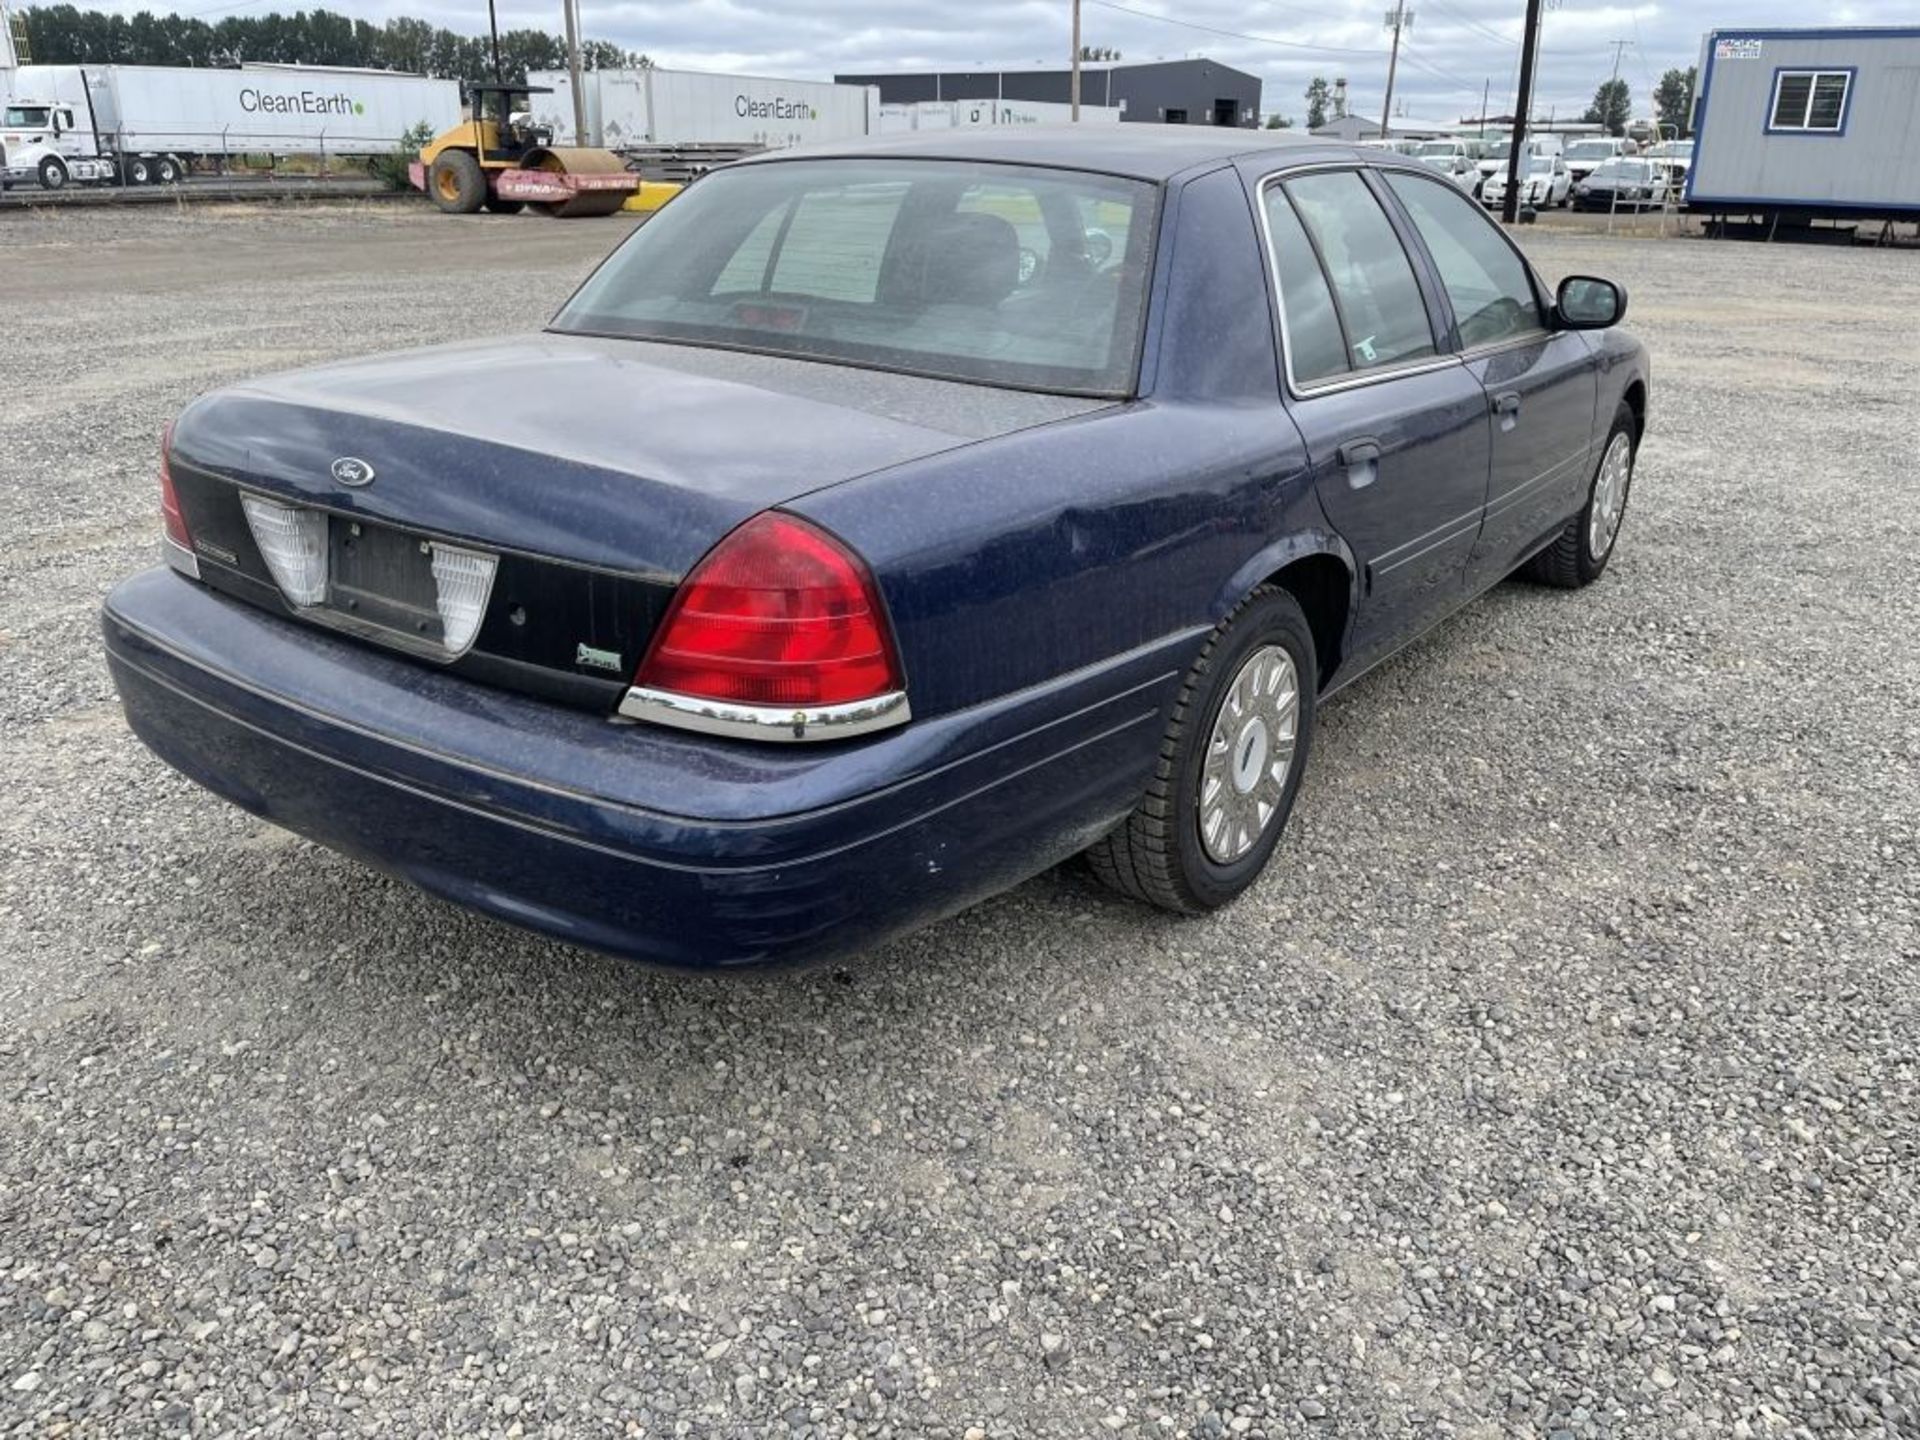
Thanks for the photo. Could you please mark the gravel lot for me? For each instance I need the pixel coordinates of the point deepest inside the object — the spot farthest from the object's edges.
(1560, 1080)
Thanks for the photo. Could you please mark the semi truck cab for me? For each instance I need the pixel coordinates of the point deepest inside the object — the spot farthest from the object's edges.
(42, 144)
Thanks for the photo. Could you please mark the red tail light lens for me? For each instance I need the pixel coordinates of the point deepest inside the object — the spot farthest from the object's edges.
(175, 522)
(779, 614)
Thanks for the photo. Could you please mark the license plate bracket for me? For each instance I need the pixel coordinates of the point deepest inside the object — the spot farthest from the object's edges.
(382, 577)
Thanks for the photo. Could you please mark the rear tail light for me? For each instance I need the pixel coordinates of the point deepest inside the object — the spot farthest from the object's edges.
(170, 515)
(781, 619)
(293, 542)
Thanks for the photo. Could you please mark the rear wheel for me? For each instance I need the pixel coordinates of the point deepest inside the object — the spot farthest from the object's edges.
(500, 205)
(166, 171)
(1582, 549)
(456, 182)
(138, 171)
(1229, 765)
(53, 173)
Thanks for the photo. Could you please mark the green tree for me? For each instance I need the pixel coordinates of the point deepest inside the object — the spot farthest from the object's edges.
(1612, 107)
(66, 35)
(1279, 122)
(1673, 102)
(1317, 95)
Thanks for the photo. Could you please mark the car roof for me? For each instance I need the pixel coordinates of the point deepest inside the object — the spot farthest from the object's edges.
(1139, 151)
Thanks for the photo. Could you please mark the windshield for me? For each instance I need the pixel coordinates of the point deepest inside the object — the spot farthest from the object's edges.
(1499, 149)
(1446, 148)
(999, 274)
(27, 117)
(1634, 171)
(1589, 150)
(1672, 150)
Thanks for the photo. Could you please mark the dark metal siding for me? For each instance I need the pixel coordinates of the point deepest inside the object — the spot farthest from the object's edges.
(1149, 91)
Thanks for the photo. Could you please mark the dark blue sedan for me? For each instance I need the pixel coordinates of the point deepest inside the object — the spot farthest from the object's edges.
(877, 527)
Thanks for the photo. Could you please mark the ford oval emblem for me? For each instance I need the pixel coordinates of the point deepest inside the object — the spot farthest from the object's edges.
(351, 471)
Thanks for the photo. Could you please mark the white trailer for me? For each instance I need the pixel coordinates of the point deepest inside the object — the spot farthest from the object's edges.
(630, 109)
(80, 123)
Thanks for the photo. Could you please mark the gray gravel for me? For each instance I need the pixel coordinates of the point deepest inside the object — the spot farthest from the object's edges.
(1559, 1081)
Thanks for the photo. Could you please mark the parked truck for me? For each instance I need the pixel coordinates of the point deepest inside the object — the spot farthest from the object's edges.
(144, 124)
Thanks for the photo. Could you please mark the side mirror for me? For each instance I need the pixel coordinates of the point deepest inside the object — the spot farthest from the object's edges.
(1586, 302)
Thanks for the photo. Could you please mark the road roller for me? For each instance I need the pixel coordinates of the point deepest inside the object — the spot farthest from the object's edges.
(499, 160)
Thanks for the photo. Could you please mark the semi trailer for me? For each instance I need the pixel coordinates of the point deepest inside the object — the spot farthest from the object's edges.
(145, 124)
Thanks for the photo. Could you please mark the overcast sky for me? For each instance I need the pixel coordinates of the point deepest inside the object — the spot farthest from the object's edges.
(1453, 47)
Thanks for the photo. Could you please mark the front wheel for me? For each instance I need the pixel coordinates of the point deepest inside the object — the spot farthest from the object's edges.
(1229, 765)
(456, 182)
(1581, 551)
(53, 173)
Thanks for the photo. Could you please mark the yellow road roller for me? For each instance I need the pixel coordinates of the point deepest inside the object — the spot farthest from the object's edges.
(500, 161)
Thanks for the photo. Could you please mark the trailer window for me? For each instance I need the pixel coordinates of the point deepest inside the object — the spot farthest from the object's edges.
(1003, 274)
(1811, 101)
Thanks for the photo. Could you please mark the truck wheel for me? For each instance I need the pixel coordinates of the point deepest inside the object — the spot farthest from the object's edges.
(53, 173)
(456, 182)
(166, 171)
(138, 172)
(500, 205)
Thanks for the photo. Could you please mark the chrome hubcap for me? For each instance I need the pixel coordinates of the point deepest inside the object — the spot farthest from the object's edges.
(1249, 755)
(1609, 497)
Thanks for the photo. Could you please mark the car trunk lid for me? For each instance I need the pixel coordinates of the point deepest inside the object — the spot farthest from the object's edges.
(588, 475)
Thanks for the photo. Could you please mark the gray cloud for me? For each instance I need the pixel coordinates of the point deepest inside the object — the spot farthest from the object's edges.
(1454, 48)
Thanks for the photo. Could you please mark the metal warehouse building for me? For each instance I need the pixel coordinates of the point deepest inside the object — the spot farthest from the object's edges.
(1808, 124)
(1169, 92)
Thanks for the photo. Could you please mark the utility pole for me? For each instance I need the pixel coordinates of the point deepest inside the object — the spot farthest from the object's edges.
(1073, 92)
(1486, 94)
(1619, 48)
(493, 29)
(1529, 47)
(573, 73)
(1398, 19)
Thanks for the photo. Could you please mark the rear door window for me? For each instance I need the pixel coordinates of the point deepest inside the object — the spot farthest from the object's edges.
(1380, 303)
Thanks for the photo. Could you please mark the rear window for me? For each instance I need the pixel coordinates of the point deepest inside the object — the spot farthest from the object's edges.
(1001, 274)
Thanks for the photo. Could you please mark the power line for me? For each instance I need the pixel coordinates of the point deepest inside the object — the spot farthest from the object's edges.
(1235, 34)
(1472, 24)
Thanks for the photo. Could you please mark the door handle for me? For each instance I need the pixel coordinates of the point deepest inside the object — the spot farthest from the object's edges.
(1361, 458)
(1507, 403)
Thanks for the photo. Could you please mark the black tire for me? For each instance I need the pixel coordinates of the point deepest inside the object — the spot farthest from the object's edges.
(139, 172)
(500, 205)
(166, 171)
(456, 182)
(1157, 853)
(1570, 562)
(53, 173)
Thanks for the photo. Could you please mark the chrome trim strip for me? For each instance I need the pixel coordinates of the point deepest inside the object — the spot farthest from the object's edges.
(1455, 530)
(178, 557)
(1507, 499)
(766, 722)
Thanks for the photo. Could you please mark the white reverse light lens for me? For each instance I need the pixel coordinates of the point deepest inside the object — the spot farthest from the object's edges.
(294, 544)
(462, 581)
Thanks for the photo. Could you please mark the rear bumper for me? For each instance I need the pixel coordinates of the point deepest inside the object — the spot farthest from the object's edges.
(675, 849)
